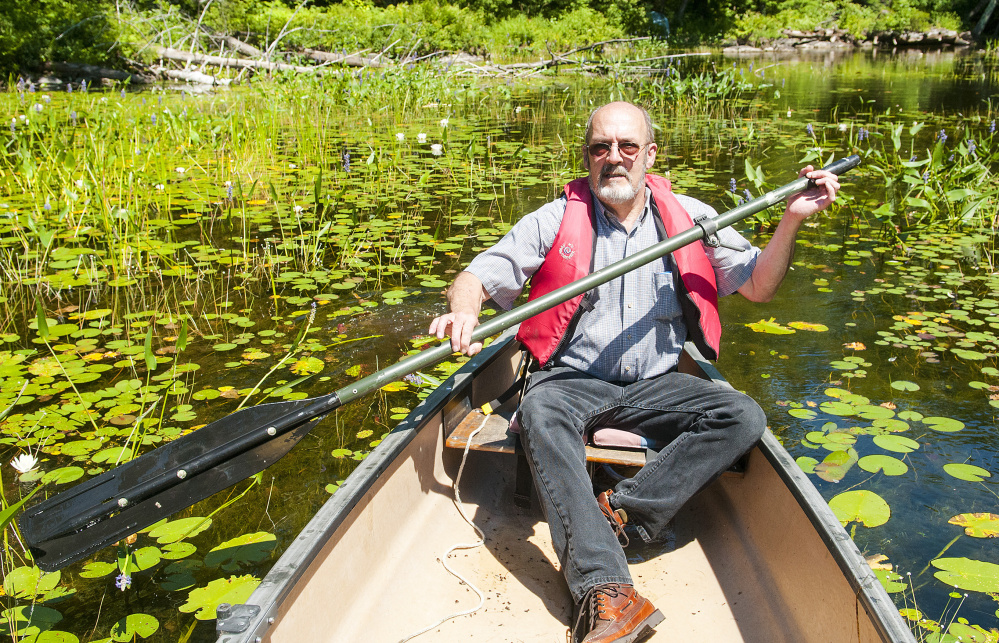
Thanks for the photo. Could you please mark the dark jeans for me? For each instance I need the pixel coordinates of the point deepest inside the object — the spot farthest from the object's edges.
(707, 427)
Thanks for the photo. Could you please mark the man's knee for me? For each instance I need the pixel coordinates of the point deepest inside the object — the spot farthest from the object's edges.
(752, 421)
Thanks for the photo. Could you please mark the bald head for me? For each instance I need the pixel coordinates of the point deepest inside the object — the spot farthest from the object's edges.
(621, 110)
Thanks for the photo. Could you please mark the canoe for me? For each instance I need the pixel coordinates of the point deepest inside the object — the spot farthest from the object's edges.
(759, 556)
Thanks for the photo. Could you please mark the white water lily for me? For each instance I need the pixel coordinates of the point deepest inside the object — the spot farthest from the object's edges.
(444, 122)
(180, 170)
(298, 209)
(842, 127)
(160, 186)
(517, 111)
(437, 149)
(400, 137)
(79, 183)
(24, 463)
(421, 138)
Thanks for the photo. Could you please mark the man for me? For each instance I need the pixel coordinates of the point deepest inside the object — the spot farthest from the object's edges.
(609, 359)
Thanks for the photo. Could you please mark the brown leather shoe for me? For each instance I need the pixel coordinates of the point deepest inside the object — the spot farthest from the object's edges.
(616, 612)
(616, 517)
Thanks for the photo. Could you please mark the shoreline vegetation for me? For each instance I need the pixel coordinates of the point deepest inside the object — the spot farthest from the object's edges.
(219, 42)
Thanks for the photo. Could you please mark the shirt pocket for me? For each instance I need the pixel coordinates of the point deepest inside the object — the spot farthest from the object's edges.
(667, 307)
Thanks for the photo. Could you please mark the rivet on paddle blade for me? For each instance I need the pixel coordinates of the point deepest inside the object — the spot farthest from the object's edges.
(122, 502)
(182, 474)
(271, 431)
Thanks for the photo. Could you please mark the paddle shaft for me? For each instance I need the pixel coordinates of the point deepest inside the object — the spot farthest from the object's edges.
(323, 405)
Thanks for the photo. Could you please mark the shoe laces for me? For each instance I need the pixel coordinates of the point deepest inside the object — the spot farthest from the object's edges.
(593, 605)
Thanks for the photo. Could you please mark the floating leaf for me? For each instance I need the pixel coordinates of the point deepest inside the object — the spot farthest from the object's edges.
(978, 525)
(896, 443)
(968, 574)
(890, 580)
(308, 366)
(770, 326)
(818, 328)
(232, 590)
(804, 414)
(888, 465)
(29, 582)
(394, 386)
(28, 619)
(904, 385)
(837, 408)
(945, 425)
(134, 625)
(97, 569)
(968, 472)
(865, 507)
(807, 464)
(248, 548)
(836, 465)
(176, 530)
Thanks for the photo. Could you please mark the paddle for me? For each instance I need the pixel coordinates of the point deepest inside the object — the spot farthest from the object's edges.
(120, 502)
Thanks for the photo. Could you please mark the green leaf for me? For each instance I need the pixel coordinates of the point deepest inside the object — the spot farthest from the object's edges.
(43, 324)
(148, 350)
(29, 582)
(28, 619)
(968, 574)
(804, 414)
(896, 443)
(134, 625)
(889, 580)
(903, 385)
(865, 507)
(944, 425)
(885, 463)
(248, 548)
(97, 569)
(182, 336)
(176, 530)
(204, 600)
(8, 514)
(978, 525)
(968, 472)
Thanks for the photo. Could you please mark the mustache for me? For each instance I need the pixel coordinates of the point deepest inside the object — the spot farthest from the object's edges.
(615, 171)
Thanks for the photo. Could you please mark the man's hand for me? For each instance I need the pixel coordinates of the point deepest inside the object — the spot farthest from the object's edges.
(465, 297)
(804, 204)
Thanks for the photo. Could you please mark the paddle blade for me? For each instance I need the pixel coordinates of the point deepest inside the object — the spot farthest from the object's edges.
(53, 545)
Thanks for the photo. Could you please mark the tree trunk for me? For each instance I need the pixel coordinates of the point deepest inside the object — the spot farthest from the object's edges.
(225, 61)
(984, 20)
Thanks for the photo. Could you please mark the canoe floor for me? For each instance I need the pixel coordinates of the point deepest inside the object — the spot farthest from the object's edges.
(747, 567)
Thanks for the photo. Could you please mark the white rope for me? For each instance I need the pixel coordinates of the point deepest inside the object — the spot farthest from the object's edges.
(443, 559)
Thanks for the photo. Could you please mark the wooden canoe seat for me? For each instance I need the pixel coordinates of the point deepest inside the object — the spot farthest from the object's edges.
(496, 436)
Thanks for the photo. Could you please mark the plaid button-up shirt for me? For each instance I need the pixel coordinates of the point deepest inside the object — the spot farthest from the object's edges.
(636, 329)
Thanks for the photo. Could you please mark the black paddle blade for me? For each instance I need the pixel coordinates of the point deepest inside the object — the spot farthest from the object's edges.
(53, 545)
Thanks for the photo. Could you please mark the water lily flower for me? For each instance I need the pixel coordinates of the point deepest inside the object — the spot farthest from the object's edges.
(160, 186)
(517, 111)
(298, 209)
(24, 463)
(421, 138)
(789, 112)
(79, 183)
(293, 166)
(842, 127)
(180, 170)
(400, 137)
(437, 149)
(444, 122)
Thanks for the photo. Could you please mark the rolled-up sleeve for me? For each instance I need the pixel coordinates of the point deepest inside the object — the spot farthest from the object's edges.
(505, 268)
(732, 267)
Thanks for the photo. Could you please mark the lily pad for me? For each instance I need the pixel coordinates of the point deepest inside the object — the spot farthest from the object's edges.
(865, 507)
(204, 600)
(944, 425)
(885, 463)
(978, 525)
(133, 626)
(176, 530)
(248, 548)
(968, 472)
(770, 326)
(896, 443)
(26, 620)
(968, 574)
(904, 385)
(29, 582)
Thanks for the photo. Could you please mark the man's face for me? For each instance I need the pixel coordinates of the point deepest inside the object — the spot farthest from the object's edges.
(618, 154)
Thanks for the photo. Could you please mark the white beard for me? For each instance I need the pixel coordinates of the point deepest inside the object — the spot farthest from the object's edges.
(617, 194)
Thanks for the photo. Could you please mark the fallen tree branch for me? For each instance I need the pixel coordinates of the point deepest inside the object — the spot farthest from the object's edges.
(226, 61)
(351, 60)
(193, 77)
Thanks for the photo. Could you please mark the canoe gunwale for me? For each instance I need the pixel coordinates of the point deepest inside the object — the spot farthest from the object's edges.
(296, 559)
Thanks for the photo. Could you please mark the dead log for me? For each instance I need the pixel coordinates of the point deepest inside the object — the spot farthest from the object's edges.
(350, 60)
(93, 71)
(192, 76)
(238, 45)
(227, 61)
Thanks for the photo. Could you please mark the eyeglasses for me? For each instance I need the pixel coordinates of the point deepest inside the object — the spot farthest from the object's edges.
(627, 149)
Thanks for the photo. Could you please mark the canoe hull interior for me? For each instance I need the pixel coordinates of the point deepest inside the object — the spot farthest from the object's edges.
(749, 564)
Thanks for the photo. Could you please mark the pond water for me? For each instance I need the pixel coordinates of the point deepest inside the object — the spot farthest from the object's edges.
(293, 236)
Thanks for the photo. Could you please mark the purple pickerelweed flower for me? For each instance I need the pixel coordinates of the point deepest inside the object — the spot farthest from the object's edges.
(153, 118)
(811, 130)
(863, 134)
(950, 158)
(992, 127)
(123, 582)
(731, 185)
(912, 158)
(69, 88)
(414, 379)
(47, 206)
(72, 116)
(971, 148)
(160, 99)
(83, 86)
(20, 84)
(123, 94)
(749, 197)
(228, 190)
(13, 126)
(750, 67)
(31, 88)
(346, 161)
(926, 176)
(942, 136)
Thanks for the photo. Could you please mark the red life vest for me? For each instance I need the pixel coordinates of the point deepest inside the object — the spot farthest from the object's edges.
(571, 257)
